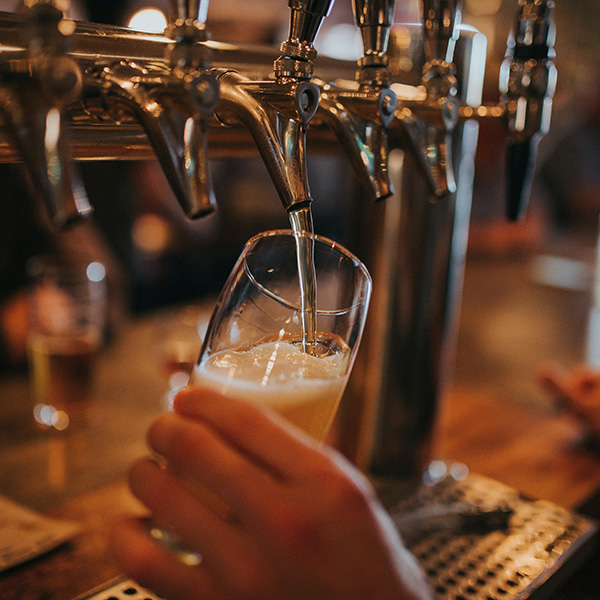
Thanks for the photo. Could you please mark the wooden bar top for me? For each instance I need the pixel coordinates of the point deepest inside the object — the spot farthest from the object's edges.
(535, 450)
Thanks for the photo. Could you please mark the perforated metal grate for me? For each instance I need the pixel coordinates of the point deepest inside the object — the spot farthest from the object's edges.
(479, 539)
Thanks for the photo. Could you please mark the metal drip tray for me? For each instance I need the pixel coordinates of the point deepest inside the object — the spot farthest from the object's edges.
(479, 539)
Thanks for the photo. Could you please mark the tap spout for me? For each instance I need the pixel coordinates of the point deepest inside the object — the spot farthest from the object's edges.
(359, 120)
(173, 110)
(276, 115)
(172, 99)
(359, 115)
(36, 87)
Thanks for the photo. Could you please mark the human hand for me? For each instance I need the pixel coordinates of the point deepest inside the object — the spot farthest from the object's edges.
(577, 391)
(301, 522)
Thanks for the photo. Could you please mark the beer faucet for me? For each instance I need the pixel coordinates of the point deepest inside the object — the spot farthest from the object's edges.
(426, 124)
(527, 84)
(37, 84)
(277, 111)
(359, 117)
(172, 100)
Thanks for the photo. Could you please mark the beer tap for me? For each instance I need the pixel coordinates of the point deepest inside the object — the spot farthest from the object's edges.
(172, 100)
(37, 84)
(359, 117)
(527, 84)
(276, 112)
(426, 124)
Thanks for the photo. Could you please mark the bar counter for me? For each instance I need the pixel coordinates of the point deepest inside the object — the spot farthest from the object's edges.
(79, 475)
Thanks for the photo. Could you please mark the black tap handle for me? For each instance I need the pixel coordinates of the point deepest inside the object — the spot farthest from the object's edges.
(527, 83)
(520, 167)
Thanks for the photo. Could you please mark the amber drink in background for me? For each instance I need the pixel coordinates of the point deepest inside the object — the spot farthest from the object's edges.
(67, 318)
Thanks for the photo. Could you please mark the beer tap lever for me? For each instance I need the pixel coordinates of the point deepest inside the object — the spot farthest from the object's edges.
(374, 19)
(37, 85)
(298, 51)
(441, 19)
(527, 84)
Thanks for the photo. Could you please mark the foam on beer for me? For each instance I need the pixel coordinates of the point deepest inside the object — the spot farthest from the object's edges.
(302, 387)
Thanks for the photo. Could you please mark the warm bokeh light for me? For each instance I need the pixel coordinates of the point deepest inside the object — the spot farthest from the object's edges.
(49, 416)
(148, 19)
(151, 234)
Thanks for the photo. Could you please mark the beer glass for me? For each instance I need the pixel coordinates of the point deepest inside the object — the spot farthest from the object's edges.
(274, 342)
(67, 321)
(283, 334)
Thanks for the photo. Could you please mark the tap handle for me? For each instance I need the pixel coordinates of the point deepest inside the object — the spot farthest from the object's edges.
(527, 84)
(306, 19)
(188, 10)
(374, 19)
(441, 19)
(298, 52)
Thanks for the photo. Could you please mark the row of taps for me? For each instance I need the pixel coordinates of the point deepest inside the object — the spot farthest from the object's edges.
(73, 90)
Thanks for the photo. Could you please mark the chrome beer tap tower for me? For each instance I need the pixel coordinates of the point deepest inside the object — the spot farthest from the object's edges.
(72, 91)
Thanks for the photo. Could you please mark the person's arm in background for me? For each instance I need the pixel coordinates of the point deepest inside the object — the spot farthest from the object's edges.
(301, 522)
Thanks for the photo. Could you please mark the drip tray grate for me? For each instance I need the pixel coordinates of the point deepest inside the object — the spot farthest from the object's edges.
(479, 539)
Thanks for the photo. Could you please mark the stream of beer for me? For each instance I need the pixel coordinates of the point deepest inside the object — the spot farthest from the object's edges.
(301, 220)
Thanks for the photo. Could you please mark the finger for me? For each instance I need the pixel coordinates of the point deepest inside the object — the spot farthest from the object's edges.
(553, 377)
(195, 524)
(153, 567)
(586, 383)
(259, 433)
(200, 455)
(556, 381)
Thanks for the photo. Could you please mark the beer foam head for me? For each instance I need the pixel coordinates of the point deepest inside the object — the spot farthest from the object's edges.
(276, 362)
